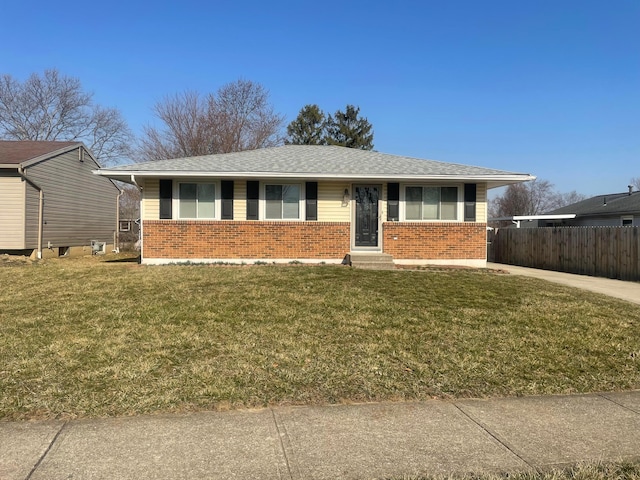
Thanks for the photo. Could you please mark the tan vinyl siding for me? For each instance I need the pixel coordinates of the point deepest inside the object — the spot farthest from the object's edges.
(78, 205)
(481, 203)
(12, 212)
(239, 200)
(151, 199)
(330, 207)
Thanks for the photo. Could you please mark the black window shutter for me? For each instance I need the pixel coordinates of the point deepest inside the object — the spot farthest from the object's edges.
(166, 194)
(393, 202)
(253, 194)
(226, 195)
(311, 200)
(470, 202)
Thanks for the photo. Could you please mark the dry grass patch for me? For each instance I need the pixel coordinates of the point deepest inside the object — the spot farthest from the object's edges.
(94, 338)
(584, 471)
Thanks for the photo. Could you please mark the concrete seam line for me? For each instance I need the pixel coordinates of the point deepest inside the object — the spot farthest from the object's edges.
(604, 395)
(496, 438)
(46, 452)
(282, 445)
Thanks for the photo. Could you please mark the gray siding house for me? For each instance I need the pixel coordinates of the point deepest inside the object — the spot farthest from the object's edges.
(611, 210)
(52, 204)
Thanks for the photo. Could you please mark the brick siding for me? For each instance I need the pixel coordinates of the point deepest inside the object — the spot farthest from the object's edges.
(244, 239)
(166, 239)
(435, 240)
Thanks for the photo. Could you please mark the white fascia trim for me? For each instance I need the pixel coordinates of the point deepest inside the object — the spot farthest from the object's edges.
(534, 217)
(239, 261)
(474, 263)
(323, 176)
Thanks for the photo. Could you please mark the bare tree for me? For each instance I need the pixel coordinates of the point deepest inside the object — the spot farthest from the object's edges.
(238, 117)
(188, 128)
(55, 107)
(531, 198)
(635, 182)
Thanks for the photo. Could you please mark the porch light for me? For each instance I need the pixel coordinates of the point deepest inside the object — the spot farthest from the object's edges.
(346, 197)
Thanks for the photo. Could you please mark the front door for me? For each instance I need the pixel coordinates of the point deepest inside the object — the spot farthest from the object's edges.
(366, 229)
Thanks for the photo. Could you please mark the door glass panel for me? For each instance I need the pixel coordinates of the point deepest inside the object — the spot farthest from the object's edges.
(366, 228)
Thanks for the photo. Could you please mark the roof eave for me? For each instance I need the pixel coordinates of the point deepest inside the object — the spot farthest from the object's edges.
(491, 180)
(55, 153)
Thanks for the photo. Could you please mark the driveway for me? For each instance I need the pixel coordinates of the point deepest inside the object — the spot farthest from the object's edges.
(629, 291)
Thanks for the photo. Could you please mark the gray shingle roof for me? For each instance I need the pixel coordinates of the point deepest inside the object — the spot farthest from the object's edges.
(308, 160)
(610, 204)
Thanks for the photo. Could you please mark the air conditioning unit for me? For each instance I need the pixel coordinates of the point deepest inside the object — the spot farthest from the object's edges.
(98, 247)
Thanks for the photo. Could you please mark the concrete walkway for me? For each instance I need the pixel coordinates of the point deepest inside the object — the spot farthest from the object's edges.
(331, 442)
(629, 291)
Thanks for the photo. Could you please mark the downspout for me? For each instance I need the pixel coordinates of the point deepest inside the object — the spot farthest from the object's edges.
(116, 234)
(40, 208)
(141, 233)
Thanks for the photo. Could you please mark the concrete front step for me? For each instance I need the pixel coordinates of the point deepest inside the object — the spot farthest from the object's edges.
(372, 260)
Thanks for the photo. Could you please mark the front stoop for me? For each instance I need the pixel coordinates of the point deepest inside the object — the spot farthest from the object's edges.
(372, 260)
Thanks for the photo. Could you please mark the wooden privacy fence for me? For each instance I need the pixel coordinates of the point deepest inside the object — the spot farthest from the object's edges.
(611, 252)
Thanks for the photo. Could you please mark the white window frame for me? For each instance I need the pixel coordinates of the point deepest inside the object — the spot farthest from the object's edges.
(124, 222)
(626, 217)
(263, 201)
(459, 202)
(176, 199)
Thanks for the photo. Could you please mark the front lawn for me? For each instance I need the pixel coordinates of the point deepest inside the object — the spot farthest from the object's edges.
(94, 338)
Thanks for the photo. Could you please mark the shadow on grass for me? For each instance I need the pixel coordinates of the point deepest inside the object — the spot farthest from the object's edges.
(124, 260)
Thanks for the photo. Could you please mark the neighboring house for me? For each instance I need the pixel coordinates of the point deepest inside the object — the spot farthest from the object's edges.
(52, 204)
(611, 210)
(312, 204)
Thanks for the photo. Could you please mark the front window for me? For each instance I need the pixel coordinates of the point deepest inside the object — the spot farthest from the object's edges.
(282, 202)
(197, 200)
(431, 203)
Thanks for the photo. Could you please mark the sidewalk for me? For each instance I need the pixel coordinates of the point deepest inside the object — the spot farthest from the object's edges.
(330, 442)
(629, 291)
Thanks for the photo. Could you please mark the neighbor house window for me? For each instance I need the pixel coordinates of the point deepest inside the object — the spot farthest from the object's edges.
(125, 225)
(431, 203)
(282, 201)
(197, 200)
(627, 221)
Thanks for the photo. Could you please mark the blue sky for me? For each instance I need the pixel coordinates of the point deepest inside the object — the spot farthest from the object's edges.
(550, 88)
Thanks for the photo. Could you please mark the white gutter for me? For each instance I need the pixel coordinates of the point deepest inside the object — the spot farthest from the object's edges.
(141, 232)
(334, 176)
(516, 219)
(116, 234)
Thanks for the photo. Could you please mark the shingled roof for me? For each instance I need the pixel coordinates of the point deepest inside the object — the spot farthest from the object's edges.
(15, 152)
(310, 161)
(610, 204)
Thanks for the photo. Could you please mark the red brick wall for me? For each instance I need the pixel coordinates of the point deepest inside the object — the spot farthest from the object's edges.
(245, 239)
(432, 241)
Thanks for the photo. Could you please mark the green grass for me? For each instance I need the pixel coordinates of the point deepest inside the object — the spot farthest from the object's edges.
(585, 471)
(92, 338)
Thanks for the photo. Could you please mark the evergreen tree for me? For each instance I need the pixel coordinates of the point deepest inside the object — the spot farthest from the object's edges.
(308, 128)
(346, 129)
